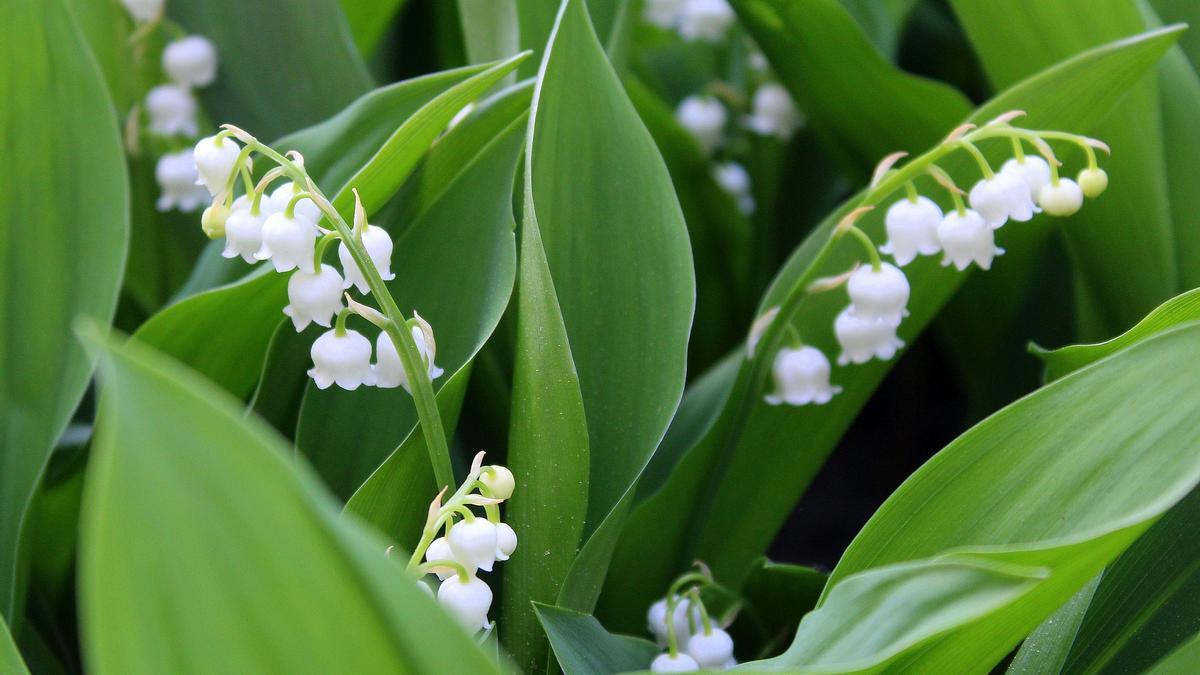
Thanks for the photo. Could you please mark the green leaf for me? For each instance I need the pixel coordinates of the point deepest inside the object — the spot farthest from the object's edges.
(369, 21)
(1045, 650)
(490, 29)
(1182, 661)
(583, 647)
(260, 573)
(1065, 479)
(279, 393)
(1177, 310)
(64, 227)
(281, 67)
(10, 658)
(731, 492)
(861, 106)
(777, 596)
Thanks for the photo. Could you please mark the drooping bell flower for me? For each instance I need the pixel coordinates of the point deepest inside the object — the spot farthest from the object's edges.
(912, 229)
(378, 244)
(801, 377)
(216, 160)
(473, 543)
(344, 359)
(288, 243)
(243, 231)
(704, 117)
(705, 20)
(314, 298)
(467, 600)
(965, 239)
(1001, 197)
(191, 61)
(389, 369)
(172, 111)
(176, 176)
(773, 112)
(863, 339)
(712, 649)
(1061, 199)
(879, 294)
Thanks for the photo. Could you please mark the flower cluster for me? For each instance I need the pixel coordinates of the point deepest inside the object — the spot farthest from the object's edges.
(693, 20)
(471, 543)
(283, 224)
(916, 226)
(681, 624)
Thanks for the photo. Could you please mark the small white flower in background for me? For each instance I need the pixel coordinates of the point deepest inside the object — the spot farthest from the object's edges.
(176, 176)
(191, 61)
(439, 550)
(378, 244)
(757, 61)
(966, 238)
(473, 543)
(282, 196)
(704, 117)
(801, 377)
(773, 113)
(344, 359)
(1062, 199)
(172, 111)
(1031, 169)
(879, 294)
(216, 160)
(467, 601)
(712, 650)
(705, 20)
(498, 479)
(680, 663)
(143, 10)
(863, 339)
(662, 13)
(1093, 182)
(912, 229)
(313, 298)
(389, 369)
(1001, 197)
(243, 231)
(506, 541)
(734, 179)
(288, 242)
(656, 620)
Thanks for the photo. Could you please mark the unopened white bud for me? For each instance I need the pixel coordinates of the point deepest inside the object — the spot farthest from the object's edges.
(191, 61)
(473, 543)
(1063, 199)
(499, 481)
(1093, 182)
(711, 650)
(344, 359)
(468, 601)
(314, 298)
(378, 244)
(879, 294)
(506, 541)
(801, 377)
(172, 111)
(213, 220)
(216, 160)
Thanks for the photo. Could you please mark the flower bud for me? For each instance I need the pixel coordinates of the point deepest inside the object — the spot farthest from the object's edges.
(389, 369)
(243, 231)
(704, 117)
(966, 238)
(680, 663)
(801, 377)
(143, 10)
(1063, 199)
(344, 359)
(314, 298)
(1093, 182)
(499, 481)
(473, 543)
(467, 601)
(773, 112)
(288, 242)
(213, 220)
(439, 549)
(912, 229)
(863, 339)
(705, 20)
(506, 541)
(172, 111)
(216, 160)
(711, 650)
(191, 61)
(879, 294)
(378, 244)
(176, 176)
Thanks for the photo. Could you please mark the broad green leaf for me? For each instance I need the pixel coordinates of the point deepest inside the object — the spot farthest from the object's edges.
(1182, 11)
(1177, 310)
(536, 21)
(874, 616)
(369, 20)
(259, 574)
(583, 647)
(883, 21)
(63, 224)
(1182, 661)
(10, 658)
(1045, 650)
(861, 106)
(547, 451)
(279, 394)
(730, 493)
(454, 263)
(490, 29)
(1065, 479)
(776, 597)
(282, 67)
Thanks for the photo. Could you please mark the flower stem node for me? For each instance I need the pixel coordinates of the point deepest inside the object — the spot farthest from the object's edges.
(879, 294)
(966, 238)
(378, 244)
(1001, 197)
(243, 232)
(191, 61)
(389, 370)
(314, 297)
(344, 359)
(467, 599)
(1061, 199)
(288, 243)
(439, 549)
(677, 663)
(498, 480)
(711, 650)
(862, 339)
(216, 160)
(912, 229)
(473, 543)
(506, 541)
(801, 377)
(1093, 182)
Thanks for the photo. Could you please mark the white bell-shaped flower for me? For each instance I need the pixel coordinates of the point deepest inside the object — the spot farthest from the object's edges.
(216, 160)
(191, 61)
(243, 231)
(389, 369)
(704, 117)
(879, 294)
(498, 479)
(710, 650)
(1031, 169)
(1093, 182)
(734, 179)
(144, 10)
(282, 196)
(680, 663)
(172, 111)
(656, 621)
(314, 298)
(467, 601)
(705, 20)
(662, 13)
(912, 229)
(1063, 199)
(439, 550)
(379, 247)
(176, 176)
(1001, 197)
(773, 112)
(473, 543)
(863, 339)
(506, 541)
(801, 377)
(344, 359)
(730, 664)
(966, 238)
(288, 242)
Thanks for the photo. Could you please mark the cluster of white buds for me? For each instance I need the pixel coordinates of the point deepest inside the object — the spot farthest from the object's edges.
(471, 543)
(285, 227)
(694, 20)
(916, 226)
(681, 624)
